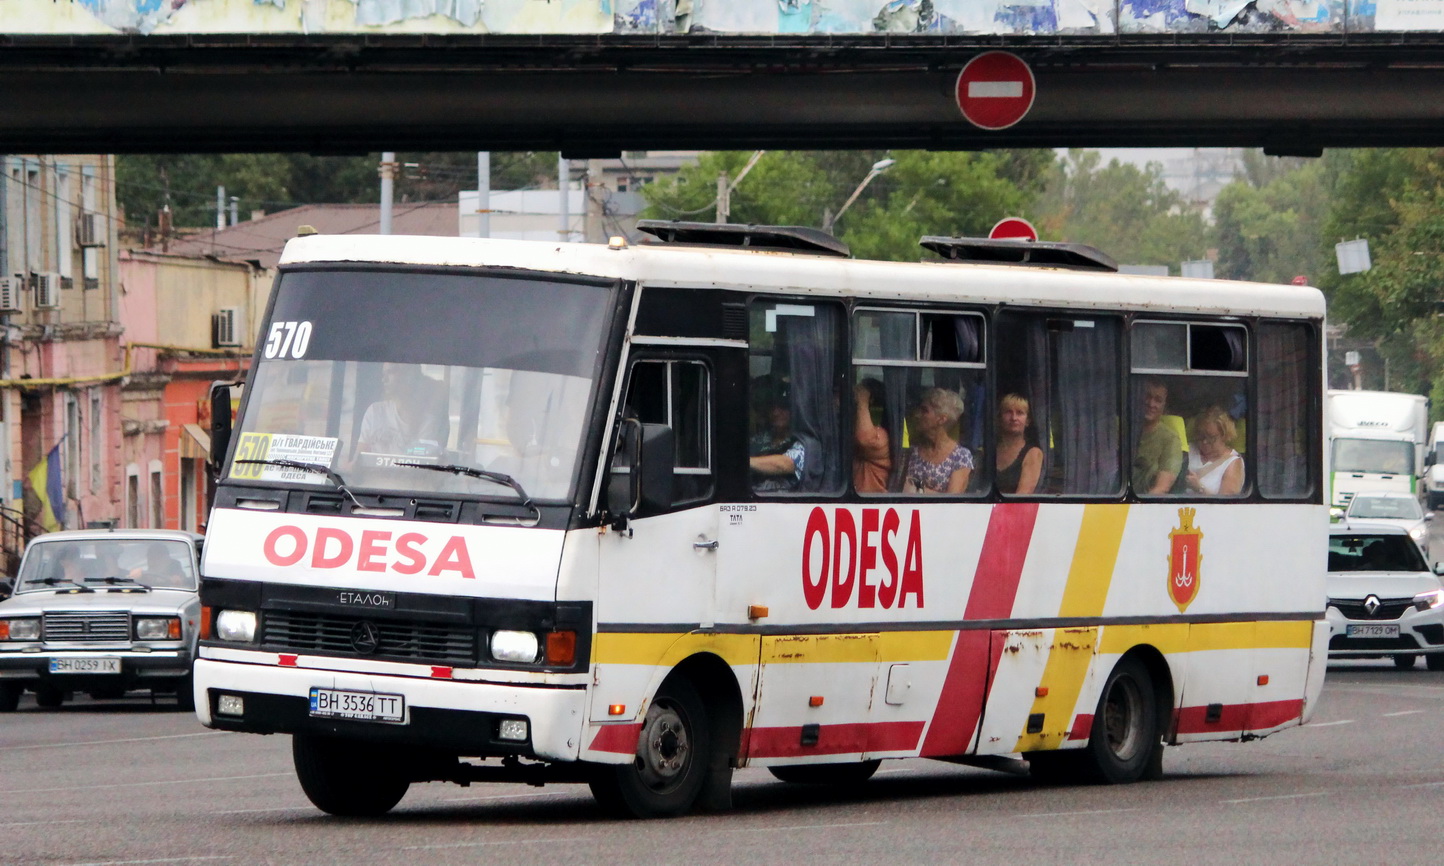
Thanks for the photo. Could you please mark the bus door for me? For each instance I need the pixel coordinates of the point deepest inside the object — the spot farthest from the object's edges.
(658, 575)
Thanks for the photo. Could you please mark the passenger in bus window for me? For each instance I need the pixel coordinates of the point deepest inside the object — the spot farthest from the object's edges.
(1019, 461)
(871, 458)
(777, 456)
(1214, 467)
(1159, 456)
(937, 463)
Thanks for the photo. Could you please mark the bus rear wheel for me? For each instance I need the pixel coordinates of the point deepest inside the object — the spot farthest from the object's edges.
(673, 752)
(336, 782)
(1125, 741)
(826, 774)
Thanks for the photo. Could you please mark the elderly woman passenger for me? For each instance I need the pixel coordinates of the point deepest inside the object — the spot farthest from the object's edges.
(937, 463)
(1214, 467)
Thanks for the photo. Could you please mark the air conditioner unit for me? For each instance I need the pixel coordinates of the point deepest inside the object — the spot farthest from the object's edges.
(225, 327)
(47, 291)
(90, 230)
(11, 289)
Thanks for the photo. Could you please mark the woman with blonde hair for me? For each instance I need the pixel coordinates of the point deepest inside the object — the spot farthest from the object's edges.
(1018, 462)
(937, 463)
(1214, 467)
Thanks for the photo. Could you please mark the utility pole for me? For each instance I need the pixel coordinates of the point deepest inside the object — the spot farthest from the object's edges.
(564, 182)
(596, 232)
(388, 188)
(724, 188)
(483, 194)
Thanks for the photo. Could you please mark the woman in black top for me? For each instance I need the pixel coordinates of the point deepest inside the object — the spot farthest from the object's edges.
(1018, 463)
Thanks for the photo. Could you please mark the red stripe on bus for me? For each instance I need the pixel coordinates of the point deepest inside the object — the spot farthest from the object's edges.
(995, 586)
(621, 739)
(1082, 726)
(848, 739)
(1240, 717)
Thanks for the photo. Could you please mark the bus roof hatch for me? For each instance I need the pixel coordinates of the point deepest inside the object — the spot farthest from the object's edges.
(1020, 252)
(787, 239)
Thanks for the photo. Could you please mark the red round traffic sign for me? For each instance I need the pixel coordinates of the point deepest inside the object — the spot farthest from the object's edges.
(1013, 228)
(995, 90)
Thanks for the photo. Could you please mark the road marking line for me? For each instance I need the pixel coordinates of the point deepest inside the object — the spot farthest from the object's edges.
(1068, 814)
(165, 860)
(1402, 713)
(162, 782)
(505, 797)
(1276, 797)
(811, 827)
(1329, 724)
(1424, 785)
(275, 809)
(109, 742)
(546, 841)
(47, 823)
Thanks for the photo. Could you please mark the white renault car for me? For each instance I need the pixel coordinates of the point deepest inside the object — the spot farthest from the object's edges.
(1383, 599)
(103, 612)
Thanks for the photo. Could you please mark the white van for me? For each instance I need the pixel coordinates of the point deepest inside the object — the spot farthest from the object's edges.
(1434, 475)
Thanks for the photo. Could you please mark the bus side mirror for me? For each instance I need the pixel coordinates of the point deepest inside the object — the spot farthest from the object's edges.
(641, 471)
(220, 424)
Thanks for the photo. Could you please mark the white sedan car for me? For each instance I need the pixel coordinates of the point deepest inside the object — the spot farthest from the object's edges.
(1383, 599)
(1397, 509)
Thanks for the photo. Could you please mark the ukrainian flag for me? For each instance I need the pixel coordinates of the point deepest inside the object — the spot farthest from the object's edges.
(45, 481)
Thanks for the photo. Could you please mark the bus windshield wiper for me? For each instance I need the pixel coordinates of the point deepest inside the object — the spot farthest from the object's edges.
(332, 475)
(484, 474)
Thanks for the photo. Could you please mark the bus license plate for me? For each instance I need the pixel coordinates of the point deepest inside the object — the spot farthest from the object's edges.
(367, 706)
(85, 666)
(1389, 630)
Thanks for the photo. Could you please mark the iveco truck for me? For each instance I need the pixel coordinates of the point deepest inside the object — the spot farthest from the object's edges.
(1377, 441)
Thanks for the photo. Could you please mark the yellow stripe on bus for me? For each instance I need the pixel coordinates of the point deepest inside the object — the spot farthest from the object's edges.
(888, 646)
(1100, 535)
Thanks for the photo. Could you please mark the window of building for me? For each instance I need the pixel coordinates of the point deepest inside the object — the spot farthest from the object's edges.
(795, 358)
(97, 440)
(157, 495)
(1189, 393)
(919, 396)
(1064, 369)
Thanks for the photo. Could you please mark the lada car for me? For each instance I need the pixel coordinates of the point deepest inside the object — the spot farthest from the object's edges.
(104, 612)
(1384, 601)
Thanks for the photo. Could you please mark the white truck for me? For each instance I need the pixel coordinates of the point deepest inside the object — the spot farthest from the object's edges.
(1377, 441)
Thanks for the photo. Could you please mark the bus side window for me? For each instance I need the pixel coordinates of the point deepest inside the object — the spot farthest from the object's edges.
(795, 356)
(1066, 370)
(1282, 459)
(1189, 386)
(677, 393)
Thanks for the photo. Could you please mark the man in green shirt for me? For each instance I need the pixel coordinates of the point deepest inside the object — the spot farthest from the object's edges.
(1159, 456)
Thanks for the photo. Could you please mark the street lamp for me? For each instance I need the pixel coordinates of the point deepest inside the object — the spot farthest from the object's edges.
(882, 165)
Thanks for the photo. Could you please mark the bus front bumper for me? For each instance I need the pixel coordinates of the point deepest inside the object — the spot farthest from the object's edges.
(464, 717)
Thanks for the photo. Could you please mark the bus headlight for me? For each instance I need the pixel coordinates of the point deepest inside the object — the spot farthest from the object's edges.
(514, 646)
(238, 626)
(19, 629)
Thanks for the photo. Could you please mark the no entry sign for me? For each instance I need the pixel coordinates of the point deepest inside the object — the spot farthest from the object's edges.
(995, 90)
(1013, 228)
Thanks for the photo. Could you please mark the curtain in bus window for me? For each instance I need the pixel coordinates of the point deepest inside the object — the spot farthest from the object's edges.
(812, 346)
(969, 344)
(897, 332)
(1283, 412)
(1086, 359)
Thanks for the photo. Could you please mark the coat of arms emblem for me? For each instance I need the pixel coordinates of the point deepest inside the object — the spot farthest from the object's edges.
(1185, 560)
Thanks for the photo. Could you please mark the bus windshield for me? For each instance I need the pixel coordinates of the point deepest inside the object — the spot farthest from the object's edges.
(1373, 455)
(378, 375)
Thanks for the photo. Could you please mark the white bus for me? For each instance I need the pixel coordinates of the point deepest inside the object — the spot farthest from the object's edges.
(639, 515)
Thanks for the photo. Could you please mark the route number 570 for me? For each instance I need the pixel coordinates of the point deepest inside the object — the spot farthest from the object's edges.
(288, 339)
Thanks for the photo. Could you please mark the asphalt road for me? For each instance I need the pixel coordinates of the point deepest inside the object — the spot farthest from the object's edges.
(125, 782)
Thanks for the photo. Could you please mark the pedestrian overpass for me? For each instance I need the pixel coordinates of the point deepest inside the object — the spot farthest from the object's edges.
(599, 77)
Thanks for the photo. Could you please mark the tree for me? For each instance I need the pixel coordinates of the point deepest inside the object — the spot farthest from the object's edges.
(1267, 222)
(1126, 211)
(922, 193)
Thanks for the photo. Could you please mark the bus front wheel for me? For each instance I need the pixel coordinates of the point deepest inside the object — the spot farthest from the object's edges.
(1125, 741)
(673, 750)
(336, 782)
